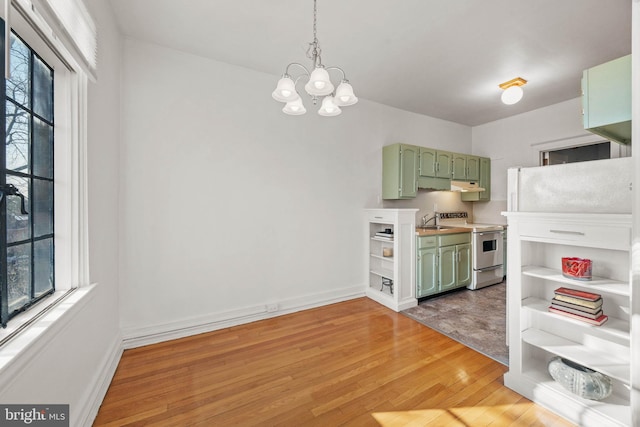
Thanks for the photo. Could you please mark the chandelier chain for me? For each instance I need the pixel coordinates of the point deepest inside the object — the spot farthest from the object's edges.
(314, 50)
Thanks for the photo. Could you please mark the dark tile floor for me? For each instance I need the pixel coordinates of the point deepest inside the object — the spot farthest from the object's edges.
(477, 319)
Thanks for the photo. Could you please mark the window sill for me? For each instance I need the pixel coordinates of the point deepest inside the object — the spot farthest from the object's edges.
(18, 351)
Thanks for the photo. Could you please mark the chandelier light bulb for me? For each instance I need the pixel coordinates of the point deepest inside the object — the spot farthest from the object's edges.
(294, 108)
(329, 107)
(319, 83)
(344, 95)
(285, 90)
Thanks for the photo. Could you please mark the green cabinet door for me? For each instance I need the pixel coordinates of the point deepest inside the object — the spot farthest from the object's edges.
(443, 164)
(465, 167)
(473, 168)
(483, 182)
(448, 266)
(459, 166)
(429, 173)
(463, 272)
(427, 272)
(427, 162)
(606, 99)
(400, 171)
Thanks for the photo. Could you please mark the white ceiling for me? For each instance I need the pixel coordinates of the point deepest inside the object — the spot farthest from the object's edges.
(441, 58)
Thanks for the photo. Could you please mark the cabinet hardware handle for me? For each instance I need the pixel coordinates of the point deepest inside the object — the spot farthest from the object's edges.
(377, 217)
(577, 233)
(495, 267)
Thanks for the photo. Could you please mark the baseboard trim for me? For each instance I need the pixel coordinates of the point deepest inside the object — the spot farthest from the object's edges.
(138, 337)
(100, 383)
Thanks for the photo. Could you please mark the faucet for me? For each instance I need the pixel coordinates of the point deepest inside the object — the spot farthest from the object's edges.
(436, 217)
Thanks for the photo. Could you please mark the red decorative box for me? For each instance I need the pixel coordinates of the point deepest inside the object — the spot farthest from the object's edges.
(576, 268)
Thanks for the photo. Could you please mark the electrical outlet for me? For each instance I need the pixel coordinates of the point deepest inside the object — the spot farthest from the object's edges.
(272, 307)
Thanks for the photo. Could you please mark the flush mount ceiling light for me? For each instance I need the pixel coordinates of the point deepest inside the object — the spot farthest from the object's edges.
(319, 85)
(512, 90)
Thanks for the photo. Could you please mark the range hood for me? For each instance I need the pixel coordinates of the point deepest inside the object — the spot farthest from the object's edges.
(466, 187)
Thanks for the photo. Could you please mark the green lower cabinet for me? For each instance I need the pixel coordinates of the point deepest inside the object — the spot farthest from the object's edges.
(463, 271)
(442, 268)
(448, 268)
(427, 274)
(455, 266)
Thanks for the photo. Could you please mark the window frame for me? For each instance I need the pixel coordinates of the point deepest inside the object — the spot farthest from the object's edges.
(28, 107)
(70, 163)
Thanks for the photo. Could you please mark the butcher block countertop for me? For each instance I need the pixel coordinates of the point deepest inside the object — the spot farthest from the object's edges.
(436, 232)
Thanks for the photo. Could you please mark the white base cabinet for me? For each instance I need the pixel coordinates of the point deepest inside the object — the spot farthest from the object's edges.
(537, 242)
(391, 262)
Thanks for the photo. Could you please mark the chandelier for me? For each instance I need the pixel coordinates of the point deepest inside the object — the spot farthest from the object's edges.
(318, 86)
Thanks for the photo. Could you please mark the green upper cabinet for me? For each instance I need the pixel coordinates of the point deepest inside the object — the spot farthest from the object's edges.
(434, 172)
(606, 99)
(444, 163)
(428, 162)
(465, 167)
(400, 171)
(483, 182)
(473, 168)
(406, 168)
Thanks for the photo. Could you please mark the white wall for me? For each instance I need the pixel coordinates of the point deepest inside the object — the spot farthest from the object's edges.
(76, 364)
(227, 204)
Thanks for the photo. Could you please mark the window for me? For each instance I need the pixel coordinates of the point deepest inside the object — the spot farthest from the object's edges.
(26, 179)
(45, 98)
(583, 153)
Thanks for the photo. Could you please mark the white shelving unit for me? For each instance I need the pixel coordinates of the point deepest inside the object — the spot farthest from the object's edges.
(391, 279)
(537, 242)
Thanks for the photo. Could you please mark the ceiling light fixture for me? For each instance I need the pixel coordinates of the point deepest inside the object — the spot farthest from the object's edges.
(319, 84)
(512, 90)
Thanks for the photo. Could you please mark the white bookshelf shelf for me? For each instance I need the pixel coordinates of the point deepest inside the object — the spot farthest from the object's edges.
(596, 284)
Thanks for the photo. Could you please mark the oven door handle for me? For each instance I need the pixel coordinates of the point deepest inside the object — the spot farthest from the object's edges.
(495, 267)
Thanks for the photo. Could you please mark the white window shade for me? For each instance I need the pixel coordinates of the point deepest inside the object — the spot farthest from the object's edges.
(70, 21)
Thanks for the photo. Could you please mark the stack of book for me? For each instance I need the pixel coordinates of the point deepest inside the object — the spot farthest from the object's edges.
(385, 235)
(579, 305)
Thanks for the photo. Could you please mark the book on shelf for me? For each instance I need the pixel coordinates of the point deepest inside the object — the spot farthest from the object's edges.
(591, 310)
(578, 311)
(599, 321)
(384, 235)
(574, 293)
(581, 302)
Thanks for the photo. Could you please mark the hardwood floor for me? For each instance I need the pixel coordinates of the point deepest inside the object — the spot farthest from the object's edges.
(355, 363)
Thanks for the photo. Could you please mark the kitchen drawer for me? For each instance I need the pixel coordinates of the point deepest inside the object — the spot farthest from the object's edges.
(454, 239)
(381, 216)
(604, 236)
(427, 242)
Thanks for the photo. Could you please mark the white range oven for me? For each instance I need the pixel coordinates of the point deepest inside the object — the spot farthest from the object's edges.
(487, 255)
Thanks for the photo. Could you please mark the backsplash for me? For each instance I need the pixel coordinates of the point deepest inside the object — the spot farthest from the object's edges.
(429, 201)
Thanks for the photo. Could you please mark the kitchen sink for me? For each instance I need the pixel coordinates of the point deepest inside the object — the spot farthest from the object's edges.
(436, 227)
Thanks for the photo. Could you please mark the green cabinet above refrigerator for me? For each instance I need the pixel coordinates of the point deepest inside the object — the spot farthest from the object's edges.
(606, 99)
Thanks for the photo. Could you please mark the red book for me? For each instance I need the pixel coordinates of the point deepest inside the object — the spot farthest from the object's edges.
(599, 321)
(577, 294)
